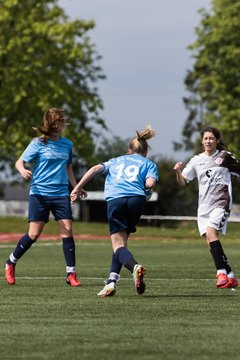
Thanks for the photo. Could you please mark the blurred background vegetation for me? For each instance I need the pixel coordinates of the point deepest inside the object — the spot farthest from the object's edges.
(47, 60)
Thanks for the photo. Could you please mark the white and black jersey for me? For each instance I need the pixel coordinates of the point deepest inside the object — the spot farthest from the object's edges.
(214, 179)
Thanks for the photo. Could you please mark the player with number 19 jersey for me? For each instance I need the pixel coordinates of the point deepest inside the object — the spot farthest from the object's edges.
(127, 175)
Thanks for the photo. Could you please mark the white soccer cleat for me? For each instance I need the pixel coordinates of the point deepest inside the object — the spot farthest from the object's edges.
(138, 274)
(108, 290)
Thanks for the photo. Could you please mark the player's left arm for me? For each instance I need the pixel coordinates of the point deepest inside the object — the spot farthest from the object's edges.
(151, 176)
(150, 183)
(71, 176)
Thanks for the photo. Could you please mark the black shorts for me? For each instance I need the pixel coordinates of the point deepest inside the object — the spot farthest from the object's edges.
(40, 206)
(124, 213)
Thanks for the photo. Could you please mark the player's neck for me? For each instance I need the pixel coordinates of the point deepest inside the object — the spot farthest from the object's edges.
(209, 152)
(55, 136)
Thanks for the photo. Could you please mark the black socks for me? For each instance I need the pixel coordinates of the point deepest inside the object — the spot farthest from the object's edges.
(219, 258)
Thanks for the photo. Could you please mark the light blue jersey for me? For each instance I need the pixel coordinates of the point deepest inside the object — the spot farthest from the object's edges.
(49, 163)
(127, 175)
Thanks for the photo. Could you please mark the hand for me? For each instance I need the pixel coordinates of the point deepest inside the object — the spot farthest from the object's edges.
(178, 167)
(82, 193)
(26, 174)
(76, 194)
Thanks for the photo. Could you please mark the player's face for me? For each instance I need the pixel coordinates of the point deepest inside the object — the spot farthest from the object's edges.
(57, 126)
(209, 142)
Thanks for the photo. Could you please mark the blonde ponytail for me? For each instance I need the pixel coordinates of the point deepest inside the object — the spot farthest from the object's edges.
(139, 143)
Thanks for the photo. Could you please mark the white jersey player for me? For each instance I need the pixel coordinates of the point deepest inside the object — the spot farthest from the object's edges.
(213, 169)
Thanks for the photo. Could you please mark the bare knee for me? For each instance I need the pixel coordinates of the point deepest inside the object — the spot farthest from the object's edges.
(119, 240)
(35, 229)
(65, 231)
(65, 228)
(211, 235)
(34, 236)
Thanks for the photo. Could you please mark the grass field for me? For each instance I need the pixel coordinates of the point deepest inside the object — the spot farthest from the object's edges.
(181, 316)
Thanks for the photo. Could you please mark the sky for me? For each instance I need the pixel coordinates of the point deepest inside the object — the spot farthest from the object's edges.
(143, 44)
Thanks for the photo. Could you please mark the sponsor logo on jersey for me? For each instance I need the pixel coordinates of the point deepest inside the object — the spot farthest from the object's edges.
(211, 179)
(208, 173)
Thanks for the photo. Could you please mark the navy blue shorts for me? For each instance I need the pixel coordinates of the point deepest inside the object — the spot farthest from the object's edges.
(124, 213)
(40, 206)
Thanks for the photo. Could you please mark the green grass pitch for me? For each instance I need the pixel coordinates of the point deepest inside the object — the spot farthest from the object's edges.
(181, 315)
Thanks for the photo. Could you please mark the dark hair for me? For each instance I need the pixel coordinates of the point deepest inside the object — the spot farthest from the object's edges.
(220, 145)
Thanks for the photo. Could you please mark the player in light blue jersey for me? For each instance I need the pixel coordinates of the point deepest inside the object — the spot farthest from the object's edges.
(129, 180)
(50, 159)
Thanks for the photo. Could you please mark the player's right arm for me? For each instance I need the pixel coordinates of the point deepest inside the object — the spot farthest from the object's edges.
(85, 179)
(178, 170)
(20, 166)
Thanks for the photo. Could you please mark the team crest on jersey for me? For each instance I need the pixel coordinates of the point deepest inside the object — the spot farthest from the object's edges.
(219, 161)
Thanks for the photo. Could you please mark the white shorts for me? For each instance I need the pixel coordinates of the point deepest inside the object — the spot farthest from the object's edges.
(216, 218)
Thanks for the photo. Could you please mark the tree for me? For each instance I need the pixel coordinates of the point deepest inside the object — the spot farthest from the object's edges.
(214, 80)
(172, 199)
(46, 61)
(107, 149)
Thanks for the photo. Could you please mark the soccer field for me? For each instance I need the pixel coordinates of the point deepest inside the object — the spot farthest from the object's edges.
(181, 316)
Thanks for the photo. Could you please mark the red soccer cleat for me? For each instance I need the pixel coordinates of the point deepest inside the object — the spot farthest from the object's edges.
(232, 282)
(222, 281)
(72, 279)
(10, 273)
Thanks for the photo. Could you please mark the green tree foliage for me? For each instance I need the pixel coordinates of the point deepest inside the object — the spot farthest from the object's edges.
(213, 82)
(110, 148)
(46, 60)
(172, 199)
(107, 149)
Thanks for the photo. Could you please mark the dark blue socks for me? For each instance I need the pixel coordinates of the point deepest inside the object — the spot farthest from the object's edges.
(22, 246)
(69, 251)
(116, 266)
(125, 257)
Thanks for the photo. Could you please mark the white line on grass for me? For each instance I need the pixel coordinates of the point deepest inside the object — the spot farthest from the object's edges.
(96, 278)
(54, 243)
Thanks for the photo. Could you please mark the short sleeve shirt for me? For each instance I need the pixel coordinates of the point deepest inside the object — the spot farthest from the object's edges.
(49, 162)
(214, 178)
(127, 175)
